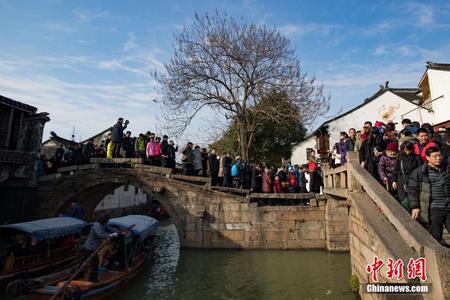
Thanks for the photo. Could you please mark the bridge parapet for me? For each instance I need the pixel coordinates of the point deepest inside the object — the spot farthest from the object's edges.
(380, 226)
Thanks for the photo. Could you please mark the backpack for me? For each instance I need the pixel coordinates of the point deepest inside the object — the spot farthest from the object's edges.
(234, 170)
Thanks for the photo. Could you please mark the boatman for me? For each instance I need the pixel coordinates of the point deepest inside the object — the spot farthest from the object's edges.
(100, 232)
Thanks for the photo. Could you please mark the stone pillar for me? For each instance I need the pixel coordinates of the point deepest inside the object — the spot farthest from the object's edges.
(336, 224)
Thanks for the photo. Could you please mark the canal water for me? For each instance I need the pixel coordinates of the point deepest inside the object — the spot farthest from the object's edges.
(230, 274)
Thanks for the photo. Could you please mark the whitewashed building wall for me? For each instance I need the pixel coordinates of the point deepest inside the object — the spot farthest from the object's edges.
(439, 86)
(121, 198)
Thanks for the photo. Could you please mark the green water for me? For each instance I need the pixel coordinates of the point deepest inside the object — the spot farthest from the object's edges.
(196, 274)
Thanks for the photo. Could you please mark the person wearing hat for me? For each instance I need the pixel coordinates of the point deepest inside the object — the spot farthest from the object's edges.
(386, 166)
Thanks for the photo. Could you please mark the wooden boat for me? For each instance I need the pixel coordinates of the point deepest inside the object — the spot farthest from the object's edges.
(30, 249)
(134, 250)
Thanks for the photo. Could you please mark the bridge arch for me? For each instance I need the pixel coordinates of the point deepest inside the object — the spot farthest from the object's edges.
(90, 187)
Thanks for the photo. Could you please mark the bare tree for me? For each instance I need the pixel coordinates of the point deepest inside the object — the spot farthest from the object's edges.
(229, 66)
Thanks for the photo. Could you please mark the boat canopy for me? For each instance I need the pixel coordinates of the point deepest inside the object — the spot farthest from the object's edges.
(144, 226)
(48, 228)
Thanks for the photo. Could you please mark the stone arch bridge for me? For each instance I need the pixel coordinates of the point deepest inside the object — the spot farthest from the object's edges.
(204, 217)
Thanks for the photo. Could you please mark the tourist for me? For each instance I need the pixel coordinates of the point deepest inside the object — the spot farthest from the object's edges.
(267, 182)
(164, 151)
(197, 160)
(351, 139)
(292, 181)
(220, 174)
(205, 157)
(406, 123)
(128, 145)
(429, 193)
(77, 158)
(117, 136)
(227, 164)
(277, 186)
(423, 144)
(213, 167)
(433, 136)
(171, 152)
(371, 150)
(405, 163)
(257, 174)
(187, 159)
(343, 146)
(88, 150)
(235, 172)
(140, 146)
(68, 155)
(59, 155)
(245, 174)
(157, 157)
(109, 150)
(302, 181)
(314, 180)
(334, 159)
(76, 211)
(405, 136)
(386, 166)
(99, 233)
(150, 150)
(361, 137)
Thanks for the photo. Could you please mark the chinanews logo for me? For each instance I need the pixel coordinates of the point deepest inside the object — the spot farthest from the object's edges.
(416, 270)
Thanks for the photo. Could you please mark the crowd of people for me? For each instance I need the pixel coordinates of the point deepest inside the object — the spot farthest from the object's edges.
(411, 162)
(238, 173)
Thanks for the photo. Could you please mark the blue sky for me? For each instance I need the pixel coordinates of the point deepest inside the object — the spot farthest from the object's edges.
(89, 62)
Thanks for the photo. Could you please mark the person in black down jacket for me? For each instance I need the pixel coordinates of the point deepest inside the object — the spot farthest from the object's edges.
(117, 136)
(405, 163)
(429, 193)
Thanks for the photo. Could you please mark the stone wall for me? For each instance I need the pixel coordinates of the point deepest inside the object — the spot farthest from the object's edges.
(247, 226)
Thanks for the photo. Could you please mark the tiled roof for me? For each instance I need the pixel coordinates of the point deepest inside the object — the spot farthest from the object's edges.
(16, 104)
(438, 66)
(410, 94)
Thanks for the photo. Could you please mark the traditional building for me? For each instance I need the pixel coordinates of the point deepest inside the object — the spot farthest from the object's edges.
(428, 103)
(21, 129)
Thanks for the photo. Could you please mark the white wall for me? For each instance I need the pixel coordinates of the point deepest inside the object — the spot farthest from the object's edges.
(299, 152)
(387, 107)
(121, 198)
(439, 85)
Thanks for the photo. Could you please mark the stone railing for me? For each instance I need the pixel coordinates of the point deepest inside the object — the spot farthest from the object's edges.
(380, 226)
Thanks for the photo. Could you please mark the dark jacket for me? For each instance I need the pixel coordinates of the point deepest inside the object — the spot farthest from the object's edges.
(256, 184)
(227, 163)
(367, 155)
(404, 166)
(187, 158)
(117, 132)
(419, 190)
(164, 148)
(171, 150)
(213, 164)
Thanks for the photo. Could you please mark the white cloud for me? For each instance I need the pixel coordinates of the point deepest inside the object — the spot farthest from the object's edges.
(307, 28)
(130, 42)
(87, 15)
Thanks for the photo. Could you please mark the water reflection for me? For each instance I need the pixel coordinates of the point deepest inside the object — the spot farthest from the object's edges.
(194, 274)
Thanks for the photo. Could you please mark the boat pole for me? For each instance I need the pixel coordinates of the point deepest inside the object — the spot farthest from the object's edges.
(85, 263)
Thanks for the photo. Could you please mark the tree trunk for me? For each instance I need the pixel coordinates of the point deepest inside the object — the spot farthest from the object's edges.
(243, 138)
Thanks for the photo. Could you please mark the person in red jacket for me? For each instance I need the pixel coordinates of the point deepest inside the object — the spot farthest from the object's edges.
(277, 187)
(423, 144)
